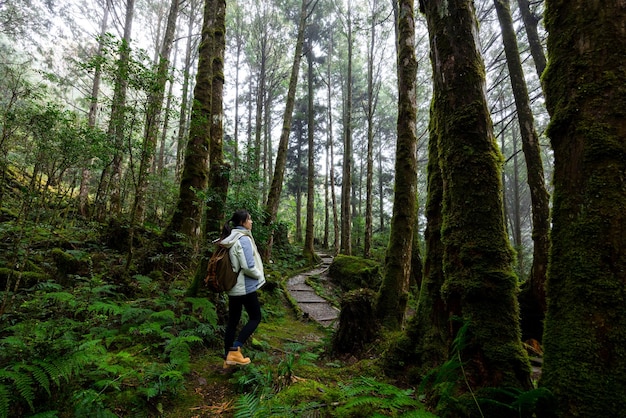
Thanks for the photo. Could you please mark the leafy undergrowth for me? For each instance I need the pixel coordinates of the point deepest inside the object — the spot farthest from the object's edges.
(85, 334)
(291, 375)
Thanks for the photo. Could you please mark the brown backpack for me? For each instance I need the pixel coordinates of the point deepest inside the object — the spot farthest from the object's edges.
(220, 274)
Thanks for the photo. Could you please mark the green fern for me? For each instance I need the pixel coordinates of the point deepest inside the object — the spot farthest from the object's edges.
(366, 393)
(22, 384)
(249, 406)
(4, 401)
(206, 308)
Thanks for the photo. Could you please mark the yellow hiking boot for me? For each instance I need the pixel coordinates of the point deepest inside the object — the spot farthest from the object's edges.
(235, 358)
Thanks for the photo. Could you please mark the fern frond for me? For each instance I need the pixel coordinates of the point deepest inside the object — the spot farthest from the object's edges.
(4, 401)
(12, 342)
(62, 297)
(48, 286)
(165, 316)
(247, 406)
(39, 375)
(137, 314)
(24, 386)
(106, 308)
(206, 307)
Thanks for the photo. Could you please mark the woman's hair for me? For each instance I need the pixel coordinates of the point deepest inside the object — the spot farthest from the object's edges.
(238, 218)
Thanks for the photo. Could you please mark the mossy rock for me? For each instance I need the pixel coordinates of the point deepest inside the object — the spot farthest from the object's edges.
(26, 278)
(351, 273)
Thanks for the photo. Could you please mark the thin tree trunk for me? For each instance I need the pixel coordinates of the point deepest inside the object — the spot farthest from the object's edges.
(153, 114)
(309, 250)
(394, 291)
(273, 198)
(346, 180)
(367, 244)
(530, 24)
(116, 124)
(532, 154)
(182, 121)
(331, 165)
(584, 339)
(83, 199)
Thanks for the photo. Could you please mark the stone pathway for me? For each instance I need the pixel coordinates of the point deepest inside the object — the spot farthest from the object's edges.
(312, 305)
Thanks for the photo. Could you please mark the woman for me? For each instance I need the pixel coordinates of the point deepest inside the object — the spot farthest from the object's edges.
(246, 259)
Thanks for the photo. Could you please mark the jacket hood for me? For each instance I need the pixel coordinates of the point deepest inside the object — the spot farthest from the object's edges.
(235, 234)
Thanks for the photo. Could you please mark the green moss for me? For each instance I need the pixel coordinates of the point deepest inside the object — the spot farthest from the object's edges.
(352, 273)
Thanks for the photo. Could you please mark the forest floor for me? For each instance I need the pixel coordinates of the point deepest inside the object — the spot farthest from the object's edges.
(303, 323)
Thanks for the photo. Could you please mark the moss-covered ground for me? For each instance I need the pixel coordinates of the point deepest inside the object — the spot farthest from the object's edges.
(292, 374)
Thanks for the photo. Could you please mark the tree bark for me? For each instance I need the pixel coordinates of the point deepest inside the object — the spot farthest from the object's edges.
(346, 180)
(540, 199)
(153, 113)
(530, 24)
(187, 216)
(479, 288)
(111, 178)
(182, 121)
(369, 182)
(309, 250)
(584, 338)
(83, 199)
(394, 290)
(273, 198)
(219, 170)
(428, 332)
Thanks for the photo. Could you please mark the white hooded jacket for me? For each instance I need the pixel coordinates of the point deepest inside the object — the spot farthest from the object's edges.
(246, 259)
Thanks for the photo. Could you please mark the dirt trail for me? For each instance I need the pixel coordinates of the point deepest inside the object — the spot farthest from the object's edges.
(312, 305)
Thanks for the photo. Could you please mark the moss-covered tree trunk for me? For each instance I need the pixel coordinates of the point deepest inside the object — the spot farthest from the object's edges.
(480, 287)
(394, 290)
(219, 170)
(187, 216)
(309, 250)
(428, 336)
(585, 327)
(532, 154)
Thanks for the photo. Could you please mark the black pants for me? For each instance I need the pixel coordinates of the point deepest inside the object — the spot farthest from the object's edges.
(235, 303)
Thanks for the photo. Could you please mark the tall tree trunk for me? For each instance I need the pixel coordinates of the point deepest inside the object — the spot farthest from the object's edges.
(394, 290)
(239, 40)
(331, 165)
(159, 163)
(111, 183)
(346, 180)
(309, 250)
(369, 182)
(83, 199)
(530, 146)
(153, 114)
(530, 24)
(428, 332)
(187, 216)
(584, 339)
(182, 121)
(480, 287)
(219, 170)
(273, 197)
